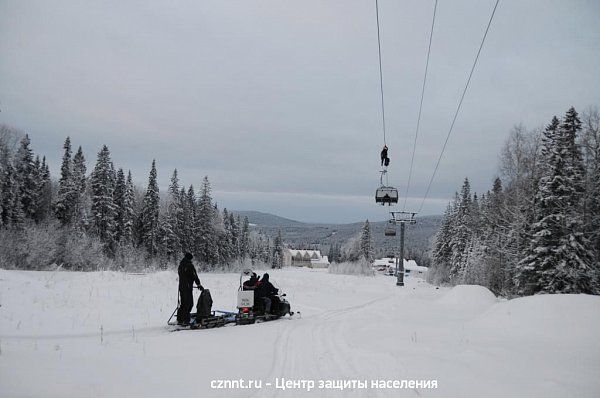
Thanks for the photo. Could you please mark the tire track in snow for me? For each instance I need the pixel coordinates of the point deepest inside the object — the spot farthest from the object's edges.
(323, 349)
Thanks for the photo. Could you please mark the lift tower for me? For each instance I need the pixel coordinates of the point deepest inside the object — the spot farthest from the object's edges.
(402, 218)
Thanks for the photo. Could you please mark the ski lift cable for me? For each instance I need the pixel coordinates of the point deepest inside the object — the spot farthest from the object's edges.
(412, 159)
(458, 107)
(380, 72)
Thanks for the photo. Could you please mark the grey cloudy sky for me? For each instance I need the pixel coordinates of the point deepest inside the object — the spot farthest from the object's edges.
(278, 101)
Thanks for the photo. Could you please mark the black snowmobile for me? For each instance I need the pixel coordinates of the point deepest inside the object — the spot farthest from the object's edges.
(251, 309)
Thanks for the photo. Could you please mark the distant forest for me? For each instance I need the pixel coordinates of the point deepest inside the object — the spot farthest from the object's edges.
(102, 221)
(537, 230)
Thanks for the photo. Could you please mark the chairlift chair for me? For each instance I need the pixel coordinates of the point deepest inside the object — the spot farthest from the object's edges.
(386, 195)
(390, 229)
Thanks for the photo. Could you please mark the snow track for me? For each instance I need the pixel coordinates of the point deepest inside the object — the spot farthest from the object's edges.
(319, 340)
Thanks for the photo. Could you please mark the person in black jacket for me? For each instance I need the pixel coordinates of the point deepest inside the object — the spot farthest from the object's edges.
(267, 292)
(187, 277)
(250, 284)
(385, 161)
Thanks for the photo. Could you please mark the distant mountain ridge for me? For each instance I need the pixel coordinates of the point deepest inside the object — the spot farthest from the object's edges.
(298, 233)
(267, 219)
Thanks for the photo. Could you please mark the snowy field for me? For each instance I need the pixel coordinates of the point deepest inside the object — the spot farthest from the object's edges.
(351, 328)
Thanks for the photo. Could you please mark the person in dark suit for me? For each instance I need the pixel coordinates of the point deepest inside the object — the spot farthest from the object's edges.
(385, 161)
(187, 277)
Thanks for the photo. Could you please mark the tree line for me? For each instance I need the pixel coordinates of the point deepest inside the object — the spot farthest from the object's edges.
(100, 220)
(538, 229)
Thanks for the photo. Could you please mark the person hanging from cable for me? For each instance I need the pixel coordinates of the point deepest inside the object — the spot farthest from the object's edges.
(385, 161)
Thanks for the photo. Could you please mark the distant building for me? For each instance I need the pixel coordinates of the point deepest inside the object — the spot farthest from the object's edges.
(387, 265)
(413, 270)
(305, 258)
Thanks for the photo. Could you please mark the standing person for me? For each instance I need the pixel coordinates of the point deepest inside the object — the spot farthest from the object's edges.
(385, 161)
(187, 277)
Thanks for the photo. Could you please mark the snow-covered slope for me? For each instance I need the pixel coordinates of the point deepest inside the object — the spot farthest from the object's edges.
(351, 328)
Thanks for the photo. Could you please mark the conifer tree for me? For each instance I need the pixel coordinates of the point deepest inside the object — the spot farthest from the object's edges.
(128, 212)
(63, 208)
(234, 224)
(12, 209)
(442, 251)
(366, 242)
(206, 245)
(25, 174)
(102, 187)
(149, 214)
(119, 199)
(277, 257)
(79, 183)
(44, 199)
(570, 128)
(168, 243)
(461, 232)
(557, 260)
(188, 207)
(174, 216)
(245, 239)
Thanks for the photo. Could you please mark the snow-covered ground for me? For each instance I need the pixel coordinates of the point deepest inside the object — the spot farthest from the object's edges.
(352, 328)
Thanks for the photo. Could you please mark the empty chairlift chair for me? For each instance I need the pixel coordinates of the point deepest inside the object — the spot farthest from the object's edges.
(386, 195)
(390, 229)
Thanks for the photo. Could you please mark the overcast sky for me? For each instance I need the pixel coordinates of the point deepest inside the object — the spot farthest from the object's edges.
(278, 101)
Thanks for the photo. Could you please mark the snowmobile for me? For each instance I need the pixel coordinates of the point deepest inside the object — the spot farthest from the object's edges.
(252, 310)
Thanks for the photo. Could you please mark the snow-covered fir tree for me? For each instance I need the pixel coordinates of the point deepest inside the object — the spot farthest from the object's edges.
(168, 242)
(119, 200)
(188, 226)
(80, 214)
(64, 206)
(557, 259)
(227, 238)
(442, 249)
(245, 239)
(174, 216)
(236, 232)
(206, 243)
(149, 215)
(44, 195)
(277, 257)
(127, 213)
(366, 242)
(12, 209)
(461, 232)
(25, 175)
(102, 186)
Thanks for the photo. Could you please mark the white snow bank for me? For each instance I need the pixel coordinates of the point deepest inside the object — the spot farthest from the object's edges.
(471, 297)
(360, 267)
(574, 315)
